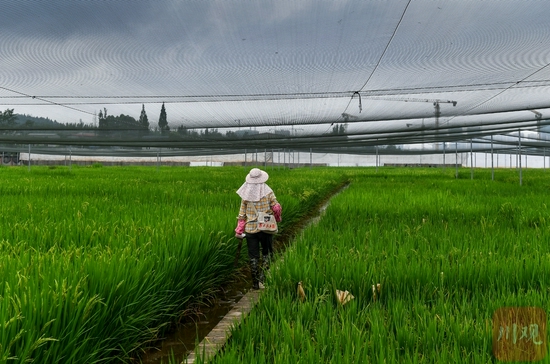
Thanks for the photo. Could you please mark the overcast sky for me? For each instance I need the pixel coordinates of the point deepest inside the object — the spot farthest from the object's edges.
(272, 61)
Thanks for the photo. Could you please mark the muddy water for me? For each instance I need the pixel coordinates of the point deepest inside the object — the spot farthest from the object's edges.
(181, 341)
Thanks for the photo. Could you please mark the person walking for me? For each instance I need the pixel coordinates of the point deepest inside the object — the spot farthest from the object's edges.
(257, 196)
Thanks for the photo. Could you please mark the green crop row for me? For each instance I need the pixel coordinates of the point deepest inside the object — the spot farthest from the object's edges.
(446, 252)
(98, 262)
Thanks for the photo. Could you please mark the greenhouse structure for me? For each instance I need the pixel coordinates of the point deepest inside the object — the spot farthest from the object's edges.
(353, 78)
(428, 243)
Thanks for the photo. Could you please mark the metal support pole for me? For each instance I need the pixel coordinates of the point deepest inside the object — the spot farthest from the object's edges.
(310, 159)
(245, 157)
(376, 159)
(519, 154)
(456, 159)
(492, 161)
(444, 155)
(471, 159)
(292, 159)
(265, 158)
(29, 157)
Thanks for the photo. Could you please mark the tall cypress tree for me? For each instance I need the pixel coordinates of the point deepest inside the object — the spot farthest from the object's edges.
(163, 122)
(143, 120)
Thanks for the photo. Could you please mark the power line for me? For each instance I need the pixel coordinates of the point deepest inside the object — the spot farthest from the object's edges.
(47, 101)
(387, 46)
(282, 96)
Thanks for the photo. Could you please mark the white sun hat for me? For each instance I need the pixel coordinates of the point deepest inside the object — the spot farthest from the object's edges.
(254, 188)
(256, 175)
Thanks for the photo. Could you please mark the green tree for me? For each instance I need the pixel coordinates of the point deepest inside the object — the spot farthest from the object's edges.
(182, 130)
(102, 119)
(343, 128)
(163, 122)
(7, 118)
(339, 129)
(121, 122)
(143, 120)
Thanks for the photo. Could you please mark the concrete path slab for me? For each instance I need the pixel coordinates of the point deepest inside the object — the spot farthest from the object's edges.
(218, 336)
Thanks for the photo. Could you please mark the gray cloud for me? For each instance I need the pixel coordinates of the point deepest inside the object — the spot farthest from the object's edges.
(112, 48)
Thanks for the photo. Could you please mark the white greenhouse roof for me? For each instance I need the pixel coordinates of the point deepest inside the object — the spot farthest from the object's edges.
(297, 74)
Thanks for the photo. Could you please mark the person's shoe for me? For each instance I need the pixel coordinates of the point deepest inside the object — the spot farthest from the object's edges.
(261, 285)
(256, 285)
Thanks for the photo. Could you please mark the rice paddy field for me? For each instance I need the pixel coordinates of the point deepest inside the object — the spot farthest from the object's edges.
(97, 263)
(446, 252)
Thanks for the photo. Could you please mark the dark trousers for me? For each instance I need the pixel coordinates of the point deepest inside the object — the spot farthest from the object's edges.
(254, 242)
(259, 240)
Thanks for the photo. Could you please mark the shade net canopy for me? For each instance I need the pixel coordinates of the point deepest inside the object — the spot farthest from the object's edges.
(222, 76)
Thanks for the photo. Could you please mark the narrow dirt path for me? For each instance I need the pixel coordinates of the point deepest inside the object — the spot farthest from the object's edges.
(210, 327)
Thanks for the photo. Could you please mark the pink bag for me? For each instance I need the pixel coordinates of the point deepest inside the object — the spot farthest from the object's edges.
(277, 211)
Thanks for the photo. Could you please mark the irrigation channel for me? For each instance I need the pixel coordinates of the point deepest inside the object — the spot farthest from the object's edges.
(183, 339)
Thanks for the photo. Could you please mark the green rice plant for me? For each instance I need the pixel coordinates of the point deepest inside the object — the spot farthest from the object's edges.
(447, 253)
(99, 262)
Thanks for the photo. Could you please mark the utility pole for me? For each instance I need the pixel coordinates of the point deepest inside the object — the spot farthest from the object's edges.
(437, 115)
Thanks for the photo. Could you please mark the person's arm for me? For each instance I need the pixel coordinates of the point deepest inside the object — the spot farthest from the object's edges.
(241, 221)
(239, 230)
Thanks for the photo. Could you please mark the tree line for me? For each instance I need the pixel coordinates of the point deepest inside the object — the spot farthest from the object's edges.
(110, 122)
(10, 120)
(125, 123)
